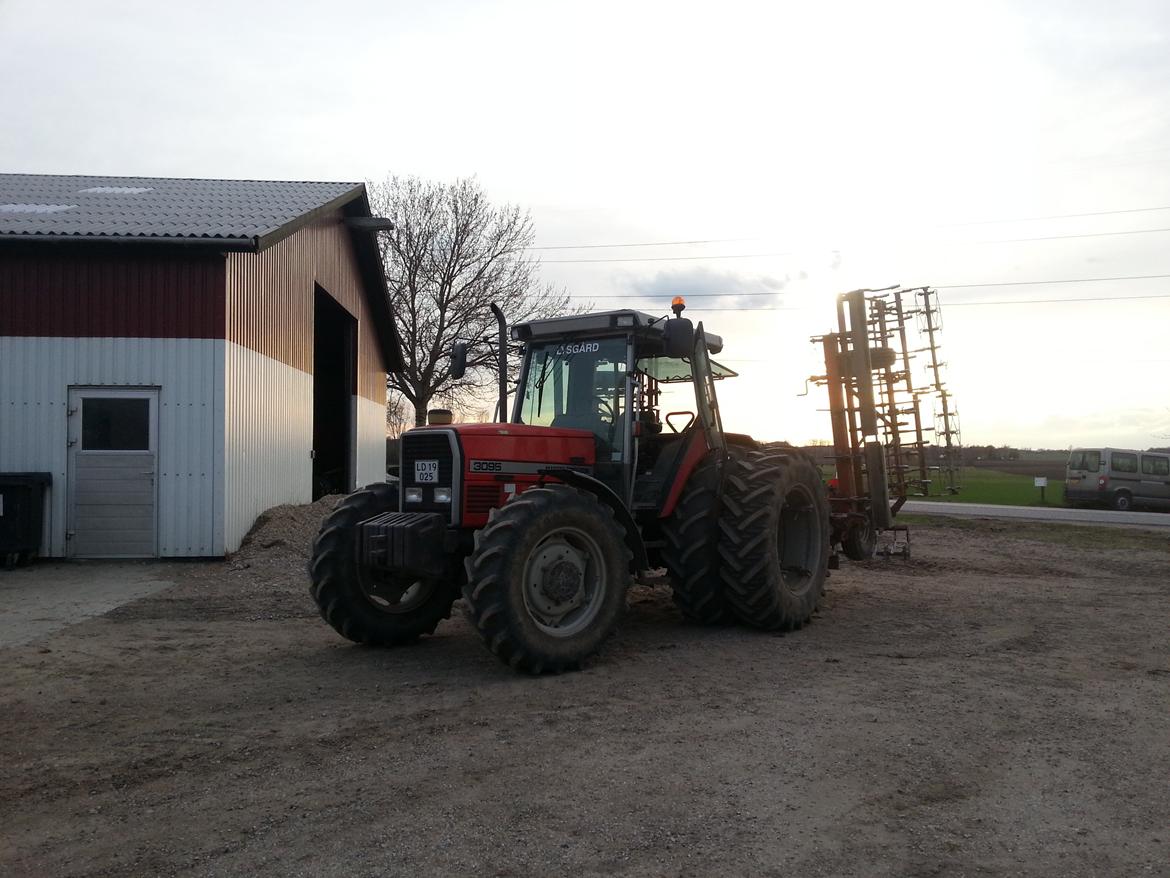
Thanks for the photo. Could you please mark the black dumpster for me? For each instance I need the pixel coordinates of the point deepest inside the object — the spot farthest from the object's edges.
(22, 506)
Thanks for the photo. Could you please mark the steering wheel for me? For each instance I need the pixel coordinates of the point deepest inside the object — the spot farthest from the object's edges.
(673, 428)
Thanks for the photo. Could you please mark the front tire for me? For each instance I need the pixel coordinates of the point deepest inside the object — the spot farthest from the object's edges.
(361, 604)
(775, 540)
(691, 553)
(547, 580)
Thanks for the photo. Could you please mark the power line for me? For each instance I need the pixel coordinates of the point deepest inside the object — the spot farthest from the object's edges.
(641, 244)
(1013, 283)
(1032, 219)
(1063, 237)
(959, 304)
(1047, 301)
(1071, 280)
(665, 258)
(791, 253)
(983, 222)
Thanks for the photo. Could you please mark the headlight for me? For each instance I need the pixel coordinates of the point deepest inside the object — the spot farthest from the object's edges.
(442, 495)
(414, 495)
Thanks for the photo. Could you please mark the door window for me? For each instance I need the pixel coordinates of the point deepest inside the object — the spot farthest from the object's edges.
(115, 424)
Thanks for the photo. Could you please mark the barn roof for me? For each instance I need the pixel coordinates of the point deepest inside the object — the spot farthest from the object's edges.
(247, 215)
(239, 212)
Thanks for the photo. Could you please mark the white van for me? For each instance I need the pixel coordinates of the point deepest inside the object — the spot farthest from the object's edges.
(1118, 477)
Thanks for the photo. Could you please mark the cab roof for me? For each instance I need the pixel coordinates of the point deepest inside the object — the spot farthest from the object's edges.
(598, 323)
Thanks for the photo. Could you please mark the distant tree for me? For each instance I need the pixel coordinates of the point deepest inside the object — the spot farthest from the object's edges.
(398, 414)
(451, 254)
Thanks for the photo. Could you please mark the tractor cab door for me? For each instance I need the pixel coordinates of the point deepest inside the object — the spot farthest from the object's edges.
(706, 402)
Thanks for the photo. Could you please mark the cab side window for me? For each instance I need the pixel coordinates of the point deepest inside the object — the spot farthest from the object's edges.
(1155, 466)
(1125, 463)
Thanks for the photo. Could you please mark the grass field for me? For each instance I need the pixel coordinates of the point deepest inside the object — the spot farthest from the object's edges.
(1009, 489)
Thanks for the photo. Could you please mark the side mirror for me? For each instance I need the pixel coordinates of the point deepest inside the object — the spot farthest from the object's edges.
(459, 360)
(679, 335)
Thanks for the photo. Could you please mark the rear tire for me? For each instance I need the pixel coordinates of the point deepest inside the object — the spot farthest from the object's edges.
(691, 553)
(1123, 501)
(547, 580)
(775, 535)
(356, 602)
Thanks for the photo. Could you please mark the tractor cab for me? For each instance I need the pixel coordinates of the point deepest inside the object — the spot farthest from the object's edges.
(606, 374)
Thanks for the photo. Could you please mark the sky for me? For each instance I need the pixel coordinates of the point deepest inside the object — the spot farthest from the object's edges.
(812, 148)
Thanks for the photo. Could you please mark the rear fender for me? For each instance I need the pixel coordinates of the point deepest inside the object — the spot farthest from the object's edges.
(605, 494)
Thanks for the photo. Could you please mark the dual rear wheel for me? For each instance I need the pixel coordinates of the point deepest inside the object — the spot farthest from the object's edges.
(750, 545)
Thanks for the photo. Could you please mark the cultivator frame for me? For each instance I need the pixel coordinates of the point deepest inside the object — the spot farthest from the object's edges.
(875, 411)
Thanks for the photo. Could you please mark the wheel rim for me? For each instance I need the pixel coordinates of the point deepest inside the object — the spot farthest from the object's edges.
(798, 537)
(564, 582)
(394, 594)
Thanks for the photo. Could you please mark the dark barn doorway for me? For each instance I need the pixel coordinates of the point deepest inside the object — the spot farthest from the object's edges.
(334, 385)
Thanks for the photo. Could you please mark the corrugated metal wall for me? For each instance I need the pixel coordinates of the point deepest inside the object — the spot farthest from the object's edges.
(92, 292)
(371, 442)
(35, 376)
(268, 418)
(270, 300)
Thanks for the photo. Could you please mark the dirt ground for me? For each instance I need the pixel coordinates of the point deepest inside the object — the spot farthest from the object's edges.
(998, 705)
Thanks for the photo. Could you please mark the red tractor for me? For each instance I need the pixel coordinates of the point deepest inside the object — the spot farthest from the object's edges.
(544, 521)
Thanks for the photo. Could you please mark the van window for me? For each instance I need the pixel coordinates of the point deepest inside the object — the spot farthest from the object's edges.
(1124, 462)
(1155, 466)
(1085, 460)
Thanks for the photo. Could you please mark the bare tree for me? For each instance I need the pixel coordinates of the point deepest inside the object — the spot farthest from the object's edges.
(451, 254)
(396, 414)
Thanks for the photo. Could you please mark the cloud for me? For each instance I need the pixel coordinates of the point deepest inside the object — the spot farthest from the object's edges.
(724, 289)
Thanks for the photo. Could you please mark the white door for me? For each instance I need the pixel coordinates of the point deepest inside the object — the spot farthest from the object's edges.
(113, 466)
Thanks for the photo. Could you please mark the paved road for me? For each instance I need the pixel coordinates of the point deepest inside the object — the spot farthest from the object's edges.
(49, 596)
(1038, 513)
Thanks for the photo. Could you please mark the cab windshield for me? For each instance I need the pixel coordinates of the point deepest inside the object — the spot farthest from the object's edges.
(578, 384)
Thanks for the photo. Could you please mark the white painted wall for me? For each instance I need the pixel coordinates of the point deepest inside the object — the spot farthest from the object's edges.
(371, 442)
(234, 436)
(35, 376)
(268, 428)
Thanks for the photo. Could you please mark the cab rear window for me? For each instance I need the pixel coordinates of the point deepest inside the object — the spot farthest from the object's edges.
(1085, 460)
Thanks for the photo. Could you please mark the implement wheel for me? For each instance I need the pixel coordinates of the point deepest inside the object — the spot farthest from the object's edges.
(775, 536)
(860, 541)
(547, 580)
(364, 605)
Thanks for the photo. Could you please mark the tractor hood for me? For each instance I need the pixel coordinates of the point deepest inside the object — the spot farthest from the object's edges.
(526, 431)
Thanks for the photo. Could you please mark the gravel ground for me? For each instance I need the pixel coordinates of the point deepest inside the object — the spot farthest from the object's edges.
(995, 706)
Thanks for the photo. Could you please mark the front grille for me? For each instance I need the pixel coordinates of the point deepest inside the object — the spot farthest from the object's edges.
(427, 445)
(482, 499)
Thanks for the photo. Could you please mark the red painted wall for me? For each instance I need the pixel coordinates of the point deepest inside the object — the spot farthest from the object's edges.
(76, 292)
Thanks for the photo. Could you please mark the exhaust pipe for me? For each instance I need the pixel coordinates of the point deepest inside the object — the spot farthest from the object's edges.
(502, 410)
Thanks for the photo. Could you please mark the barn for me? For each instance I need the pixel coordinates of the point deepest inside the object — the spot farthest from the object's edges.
(181, 355)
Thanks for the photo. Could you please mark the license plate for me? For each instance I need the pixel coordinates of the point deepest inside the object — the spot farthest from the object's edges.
(426, 470)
